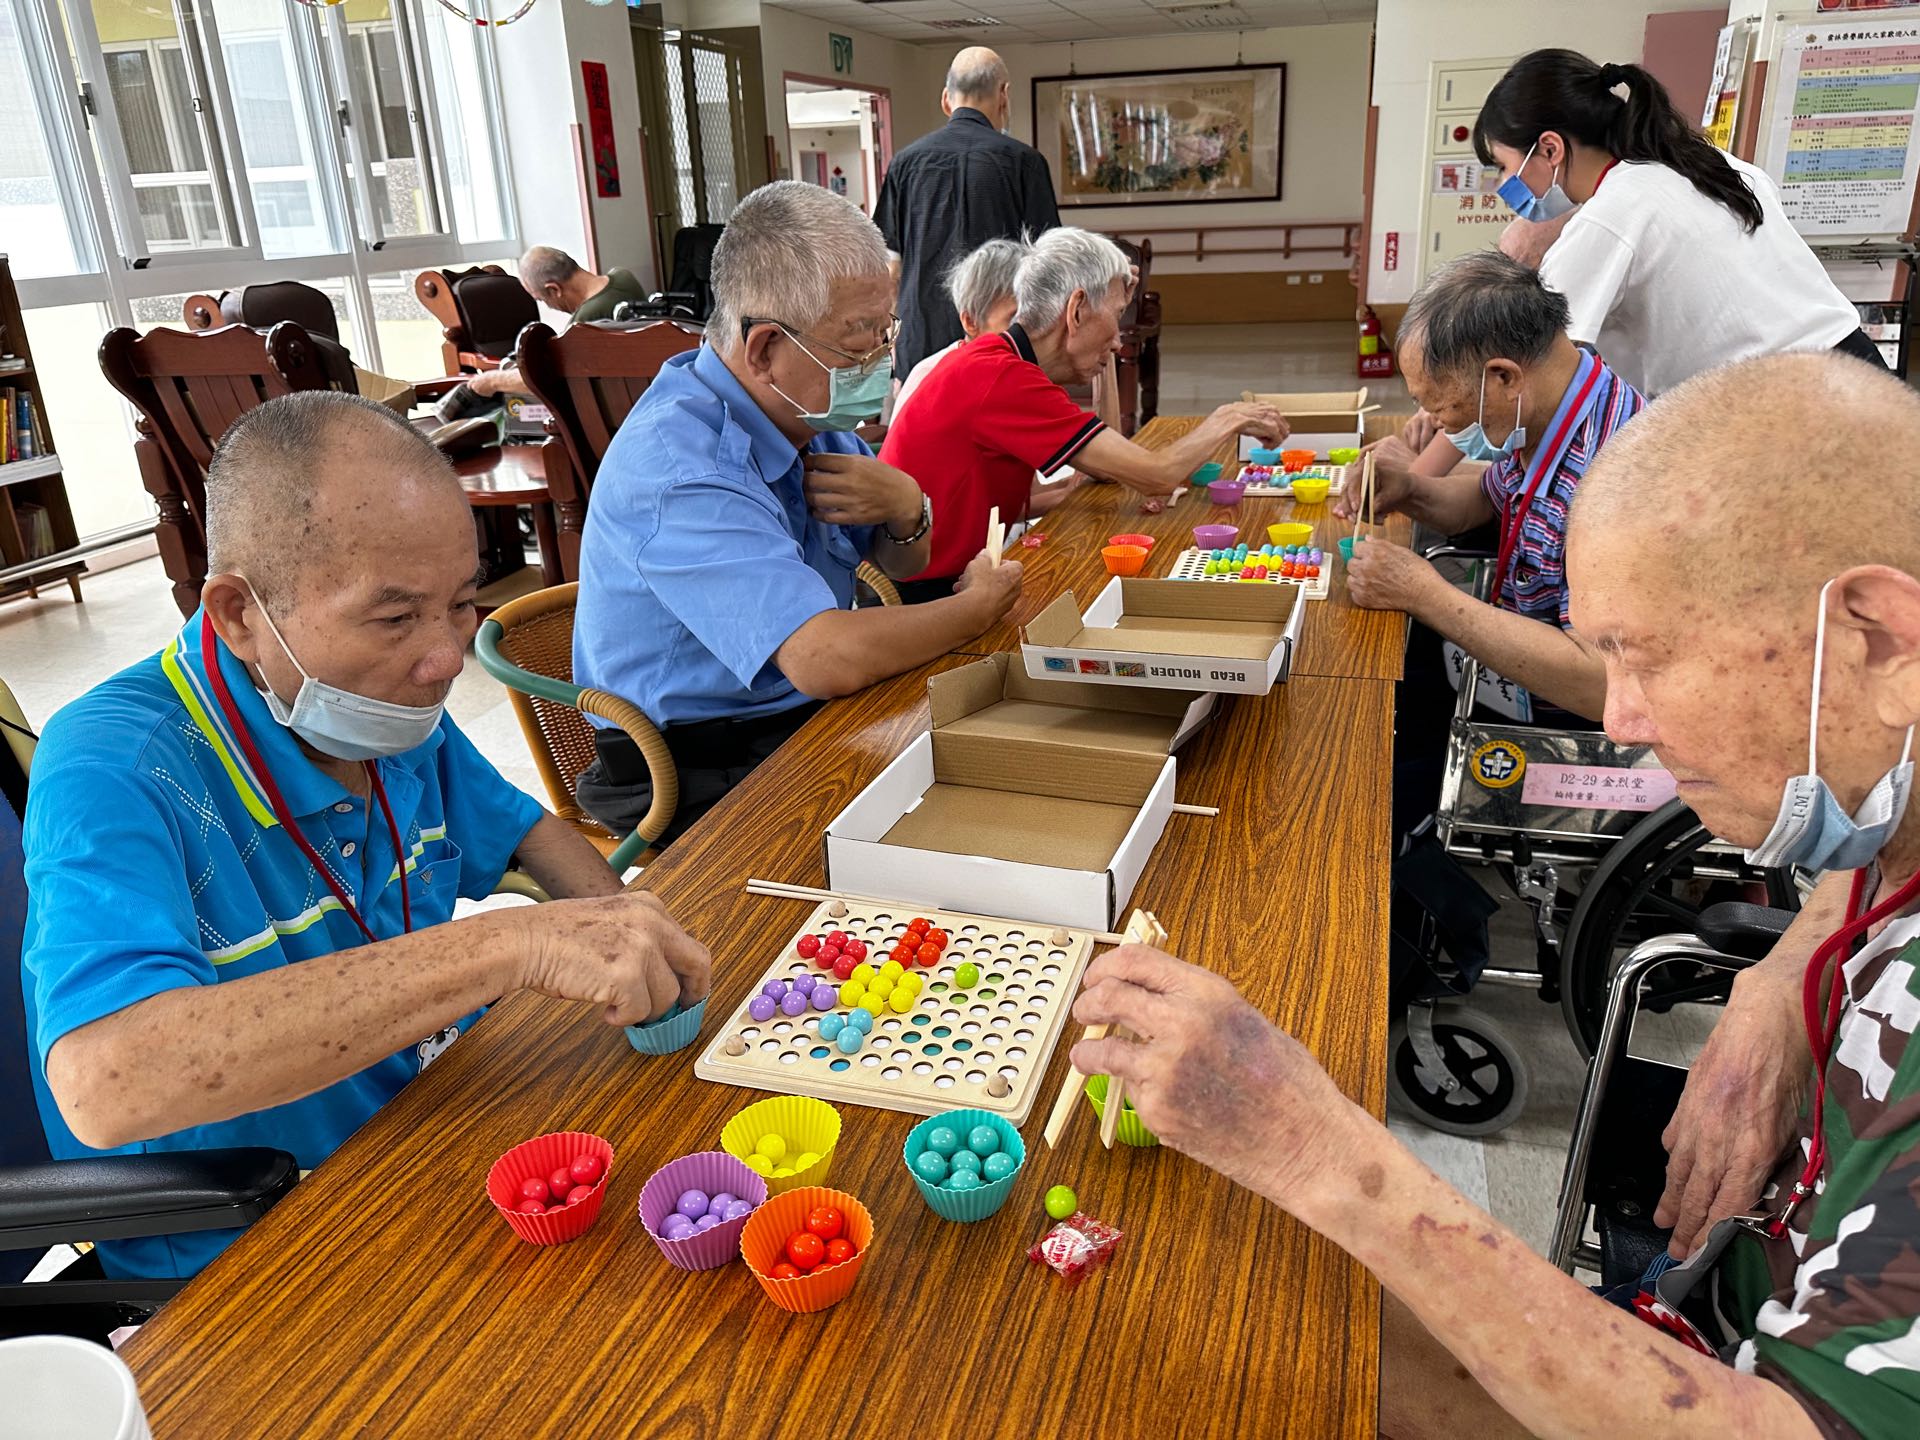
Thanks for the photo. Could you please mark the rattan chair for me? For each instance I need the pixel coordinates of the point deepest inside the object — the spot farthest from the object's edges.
(527, 645)
(871, 576)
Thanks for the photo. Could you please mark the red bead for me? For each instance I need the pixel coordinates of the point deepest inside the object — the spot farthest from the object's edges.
(579, 1192)
(857, 949)
(784, 1271)
(561, 1181)
(806, 1249)
(586, 1169)
(825, 1221)
(928, 956)
(937, 937)
(531, 1206)
(808, 947)
(843, 967)
(919, 925)
(535, 1189)
(904, 951)
(839, 1250)
(837, 937)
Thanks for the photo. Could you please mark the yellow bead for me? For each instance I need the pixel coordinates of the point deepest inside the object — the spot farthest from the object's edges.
(804, 1161)
(881, 987)
(759, 1164)
(913, 983)
(900, 1002)
(782, 1172)
(771, 1146)
(893, 970)
(862, 975)
(872, 1004)
(852, 992)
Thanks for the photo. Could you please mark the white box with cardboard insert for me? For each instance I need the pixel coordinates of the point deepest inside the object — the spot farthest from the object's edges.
(1322, 421)
(1037, 802)
(1170, 634)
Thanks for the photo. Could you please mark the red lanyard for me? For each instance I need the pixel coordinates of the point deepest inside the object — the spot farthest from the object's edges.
(210, 657)
(1823, 1022)
(1545, 459)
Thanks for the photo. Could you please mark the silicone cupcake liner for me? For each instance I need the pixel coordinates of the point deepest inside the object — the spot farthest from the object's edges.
(541, 1156)
(1206, 474)
(1130, 1131)
(712, 1171)
(965, 1206)
(1290, 532)
(804, 1123)
(763, 1245)
(673, 1031)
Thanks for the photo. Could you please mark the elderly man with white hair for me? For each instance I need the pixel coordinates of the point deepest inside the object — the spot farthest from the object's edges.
(724, 616)
(995, 411)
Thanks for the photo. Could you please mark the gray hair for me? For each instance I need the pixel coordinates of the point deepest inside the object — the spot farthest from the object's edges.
(981, 280)
(976, 74)
(1060, 262)
(1483, 307)
(783, 248)
(544, 265)
(267, 469)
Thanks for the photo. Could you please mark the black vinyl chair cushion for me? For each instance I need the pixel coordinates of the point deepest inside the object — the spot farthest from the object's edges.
(1747, 932)
(116, 1197)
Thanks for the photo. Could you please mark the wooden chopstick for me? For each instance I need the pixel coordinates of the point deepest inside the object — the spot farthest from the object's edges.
(996, 534)
(1148, 931)
(1145, 929)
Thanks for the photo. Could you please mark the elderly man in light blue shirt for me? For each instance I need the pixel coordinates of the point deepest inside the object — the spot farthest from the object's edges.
(716, 571)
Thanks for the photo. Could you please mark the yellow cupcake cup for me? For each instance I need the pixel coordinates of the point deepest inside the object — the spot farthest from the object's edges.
(808, 1126)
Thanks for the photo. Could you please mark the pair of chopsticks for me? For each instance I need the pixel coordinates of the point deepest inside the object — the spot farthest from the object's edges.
(1144, 929)
(1364, 510)
(996, 535)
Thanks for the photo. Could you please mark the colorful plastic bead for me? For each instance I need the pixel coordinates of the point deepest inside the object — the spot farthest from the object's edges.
(1061, 1202)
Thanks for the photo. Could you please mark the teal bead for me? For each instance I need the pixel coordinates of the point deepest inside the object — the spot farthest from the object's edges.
(850, 1038)
(930, 1166)
(963, 1180)
(830, 1025)
(998, 1166)
(983, 1140)
(965, 1160)
(943, 1140)
(859, 1019)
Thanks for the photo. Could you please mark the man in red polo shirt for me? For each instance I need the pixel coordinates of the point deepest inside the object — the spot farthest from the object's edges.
(994, 411)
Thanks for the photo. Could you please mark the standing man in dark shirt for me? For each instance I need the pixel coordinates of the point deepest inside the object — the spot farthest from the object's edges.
(950, 192)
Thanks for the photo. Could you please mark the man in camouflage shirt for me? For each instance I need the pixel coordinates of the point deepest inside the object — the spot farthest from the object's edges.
(1707, 597)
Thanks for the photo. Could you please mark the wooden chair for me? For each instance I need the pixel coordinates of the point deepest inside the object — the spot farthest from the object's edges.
(527, 645)
(187, 389)
(263, 307)
(481, 313)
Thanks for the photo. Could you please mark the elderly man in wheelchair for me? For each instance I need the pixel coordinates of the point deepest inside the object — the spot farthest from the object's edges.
(1775, 672)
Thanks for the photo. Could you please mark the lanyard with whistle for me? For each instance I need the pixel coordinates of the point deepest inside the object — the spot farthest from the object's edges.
(1545, 461)
(1821, 1012)
(210, 655)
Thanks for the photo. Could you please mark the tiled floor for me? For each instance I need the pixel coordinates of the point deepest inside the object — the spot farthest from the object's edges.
(51, 650)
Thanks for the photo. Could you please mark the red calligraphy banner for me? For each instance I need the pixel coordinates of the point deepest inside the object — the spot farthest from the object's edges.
(606, 163)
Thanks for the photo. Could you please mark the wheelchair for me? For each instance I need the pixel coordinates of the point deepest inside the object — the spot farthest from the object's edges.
(1596, 881)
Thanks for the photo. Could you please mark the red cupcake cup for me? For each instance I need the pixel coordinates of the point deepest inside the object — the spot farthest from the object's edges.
(711, 1171)
(539, 1158)
(763, 1245)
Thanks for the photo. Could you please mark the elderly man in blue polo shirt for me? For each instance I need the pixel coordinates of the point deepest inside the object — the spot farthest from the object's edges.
(724, 614)
(281, 786)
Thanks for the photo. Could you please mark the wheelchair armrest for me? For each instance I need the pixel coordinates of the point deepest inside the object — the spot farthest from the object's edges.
(117, 1197)
(1745, 932)
(1451, 551)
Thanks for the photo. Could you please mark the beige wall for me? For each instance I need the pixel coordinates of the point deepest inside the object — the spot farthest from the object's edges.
(797, 44)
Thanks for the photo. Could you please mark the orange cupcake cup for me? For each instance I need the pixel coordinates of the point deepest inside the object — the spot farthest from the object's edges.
(763, 1244)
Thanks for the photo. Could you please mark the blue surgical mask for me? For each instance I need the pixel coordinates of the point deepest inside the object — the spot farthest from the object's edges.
(342, 724)
(1473, 443)
(855, 394)
(1811, 829)
(1529, 206)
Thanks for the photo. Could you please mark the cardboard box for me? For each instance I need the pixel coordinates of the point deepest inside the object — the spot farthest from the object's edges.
(1170, 634)
(1018, 803)
(396, 395)
(1321, 420)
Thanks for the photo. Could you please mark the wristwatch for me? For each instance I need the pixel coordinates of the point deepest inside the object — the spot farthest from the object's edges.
(926, 524)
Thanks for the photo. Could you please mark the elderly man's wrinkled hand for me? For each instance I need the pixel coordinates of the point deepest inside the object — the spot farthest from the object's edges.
(860, 490)
(1419, 431)
(1392, 479)
(1386, 576)
(992, 587)
(1251, 417)
(1209, 1074)
(1529, 240)
(623, 953)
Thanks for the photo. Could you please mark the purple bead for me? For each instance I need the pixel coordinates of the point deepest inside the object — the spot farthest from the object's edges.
(738, 1210)
(823, 997)
(774, 990)
(794, 1004)
(676, 1227)
(718, 1204)
(705, 1222)
(761, 1008)
(692, 1204)
(804, 983)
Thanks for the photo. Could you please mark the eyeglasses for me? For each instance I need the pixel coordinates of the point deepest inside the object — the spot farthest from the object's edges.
(864, 363)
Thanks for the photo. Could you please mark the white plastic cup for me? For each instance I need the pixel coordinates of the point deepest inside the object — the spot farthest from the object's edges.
(57, 1385)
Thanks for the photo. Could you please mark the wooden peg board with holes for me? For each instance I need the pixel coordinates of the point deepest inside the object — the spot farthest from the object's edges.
(1282, 484)
(950, 1051)
(1192, 565)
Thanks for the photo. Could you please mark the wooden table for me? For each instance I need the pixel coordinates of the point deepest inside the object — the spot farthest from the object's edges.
(384, 1297)
(510, 476)
(1339, 638)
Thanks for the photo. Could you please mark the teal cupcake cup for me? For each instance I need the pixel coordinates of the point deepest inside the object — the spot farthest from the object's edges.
(965, 1206)
(673, 1031)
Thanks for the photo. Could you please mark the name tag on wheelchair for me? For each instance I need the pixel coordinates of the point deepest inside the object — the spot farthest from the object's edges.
(1496, 692)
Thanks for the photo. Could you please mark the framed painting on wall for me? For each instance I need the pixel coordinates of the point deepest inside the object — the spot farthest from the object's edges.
(1173, 137)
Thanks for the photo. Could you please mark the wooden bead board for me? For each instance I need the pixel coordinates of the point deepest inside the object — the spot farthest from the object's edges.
(1010, 1033)
(1337, 474)
(1192, 565)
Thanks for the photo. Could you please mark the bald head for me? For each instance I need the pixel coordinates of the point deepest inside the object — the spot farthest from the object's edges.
(295, 481)
(977, 79)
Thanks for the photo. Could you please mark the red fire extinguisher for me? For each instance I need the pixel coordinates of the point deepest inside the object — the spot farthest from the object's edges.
(1376, 360)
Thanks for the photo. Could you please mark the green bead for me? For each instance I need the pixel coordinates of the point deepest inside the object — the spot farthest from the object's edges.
(967, 976)
(998, 1166)
(930, 1166)
(1061, 1202)
(965, 1160)
(963, 1180)
(943, 1140)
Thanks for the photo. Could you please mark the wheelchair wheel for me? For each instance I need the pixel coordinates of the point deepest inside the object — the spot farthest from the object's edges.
(1481, 1083)
(1652, 882)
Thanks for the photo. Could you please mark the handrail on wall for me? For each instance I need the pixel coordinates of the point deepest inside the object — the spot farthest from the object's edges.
(1286, 247)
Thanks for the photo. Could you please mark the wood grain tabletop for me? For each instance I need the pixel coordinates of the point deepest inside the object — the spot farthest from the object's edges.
(384, 1297)
(1339, 638)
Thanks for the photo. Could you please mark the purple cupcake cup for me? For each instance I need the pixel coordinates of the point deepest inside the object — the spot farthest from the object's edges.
(711, 1171)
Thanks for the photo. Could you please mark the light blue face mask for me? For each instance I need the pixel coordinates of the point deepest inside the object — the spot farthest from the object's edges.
(342, 724)
(1529, 206)
(855, 393)
(1811, 829)
(1473, 443)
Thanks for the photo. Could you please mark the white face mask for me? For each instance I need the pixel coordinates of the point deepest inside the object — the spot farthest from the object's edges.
(1811, 829)
(340, 723)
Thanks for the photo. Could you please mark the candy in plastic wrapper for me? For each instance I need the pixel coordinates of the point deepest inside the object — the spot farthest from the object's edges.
(1075, 1245)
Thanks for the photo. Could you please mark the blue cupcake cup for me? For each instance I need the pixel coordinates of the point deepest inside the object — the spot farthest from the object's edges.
(966, 1206)
(673, 1031)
